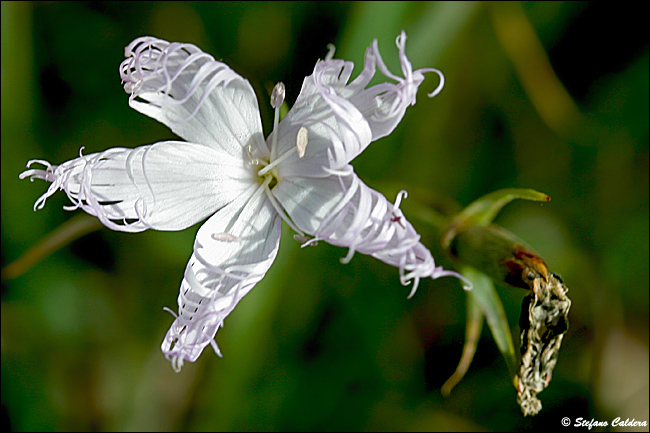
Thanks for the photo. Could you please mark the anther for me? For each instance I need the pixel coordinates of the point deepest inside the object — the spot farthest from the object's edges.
(225, 237)
(277, 96)
(301, 141)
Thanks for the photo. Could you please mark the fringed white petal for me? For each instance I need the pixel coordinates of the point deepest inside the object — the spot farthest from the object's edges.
(341, 118)
(165, 186)
(335, 127)
(384, 105)
(343, 211)
(200, 99)
(232, 252)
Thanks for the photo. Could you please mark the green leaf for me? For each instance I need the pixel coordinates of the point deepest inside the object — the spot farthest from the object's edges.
(485, 209)
(472, 333)
(485, 295)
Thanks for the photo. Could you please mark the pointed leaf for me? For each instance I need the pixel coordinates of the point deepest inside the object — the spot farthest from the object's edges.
(485, 209)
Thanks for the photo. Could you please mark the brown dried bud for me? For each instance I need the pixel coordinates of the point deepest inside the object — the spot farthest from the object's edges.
(543, 322)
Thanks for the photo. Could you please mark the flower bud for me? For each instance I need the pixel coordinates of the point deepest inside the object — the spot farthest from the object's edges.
(543, 322)
(498, 254)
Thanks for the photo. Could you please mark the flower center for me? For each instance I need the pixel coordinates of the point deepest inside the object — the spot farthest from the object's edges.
(273, 182)
(267, 171)
(269, 168)
(300, 148)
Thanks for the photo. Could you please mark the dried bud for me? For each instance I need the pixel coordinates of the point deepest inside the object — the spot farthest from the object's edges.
(498, 254)
(543, 322)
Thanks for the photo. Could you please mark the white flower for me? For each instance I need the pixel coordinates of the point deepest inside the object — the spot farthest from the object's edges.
(301, 174)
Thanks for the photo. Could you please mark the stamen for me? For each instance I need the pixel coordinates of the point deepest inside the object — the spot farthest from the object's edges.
(301, 146)
(301, 141)
(277, 99)
(225, 237)
(277, 95)
(272, 165)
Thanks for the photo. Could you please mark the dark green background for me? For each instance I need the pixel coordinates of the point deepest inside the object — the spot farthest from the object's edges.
(318, 345)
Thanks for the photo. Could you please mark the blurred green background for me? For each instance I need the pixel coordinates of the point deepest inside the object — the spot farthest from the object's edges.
(550, 96)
